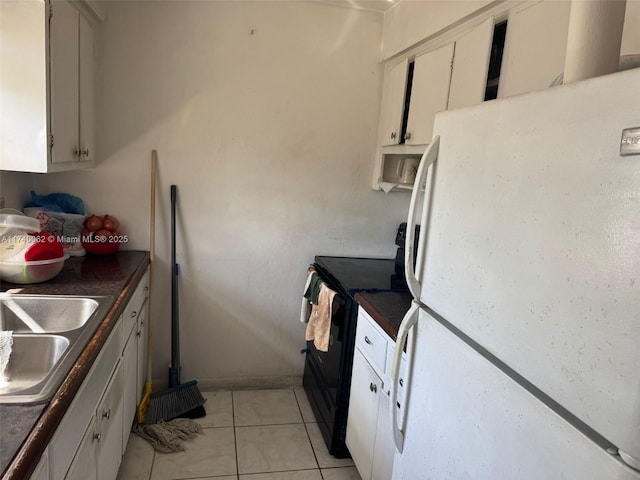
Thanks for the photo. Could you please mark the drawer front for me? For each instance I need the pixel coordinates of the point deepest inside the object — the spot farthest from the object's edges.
(372, 342)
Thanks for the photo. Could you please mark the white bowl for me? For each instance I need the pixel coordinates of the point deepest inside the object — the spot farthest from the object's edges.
(31, 272)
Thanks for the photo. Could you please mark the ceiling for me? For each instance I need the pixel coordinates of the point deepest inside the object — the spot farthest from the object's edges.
(375, 5)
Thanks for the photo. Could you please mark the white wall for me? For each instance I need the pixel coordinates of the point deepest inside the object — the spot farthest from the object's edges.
(265, 115)
(15, 188)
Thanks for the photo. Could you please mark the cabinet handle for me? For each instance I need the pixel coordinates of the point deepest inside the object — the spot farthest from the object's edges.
(107, 414)
(138, 334)
(393, 135)
(97, 436)
(146, 289)
(134, 314)
(77, 152)
(373, 387)
(367, 341)
(401, 382)
(85, 152)
(407, 136)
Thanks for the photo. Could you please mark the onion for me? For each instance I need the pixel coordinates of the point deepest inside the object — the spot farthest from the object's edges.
(110, 223)
(93, 223)
(102, 235)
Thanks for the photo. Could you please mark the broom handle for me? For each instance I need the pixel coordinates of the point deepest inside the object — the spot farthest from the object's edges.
(152, 252)
(174, 372)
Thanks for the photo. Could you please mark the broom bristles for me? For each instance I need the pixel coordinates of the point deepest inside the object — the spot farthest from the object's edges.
(174, 402)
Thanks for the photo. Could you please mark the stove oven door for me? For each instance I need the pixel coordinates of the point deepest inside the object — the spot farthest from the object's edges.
(324, 380)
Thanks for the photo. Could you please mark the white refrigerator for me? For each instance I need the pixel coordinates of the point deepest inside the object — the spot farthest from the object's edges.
(524, 335)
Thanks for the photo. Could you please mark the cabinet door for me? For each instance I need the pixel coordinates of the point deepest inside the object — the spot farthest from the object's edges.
(429, 93)
(64, 47)
(23, 98)
(470, 65)
(129, 392)
(384, 448)
(392, 107)
(68, 436)
(141, 338)
(86, 95)
(41, 472)
(534, 48)
(109, 421)
(363, 414)
(83, 466)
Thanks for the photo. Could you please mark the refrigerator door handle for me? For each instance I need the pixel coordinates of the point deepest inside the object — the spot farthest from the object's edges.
(414, 276)
(408, 322)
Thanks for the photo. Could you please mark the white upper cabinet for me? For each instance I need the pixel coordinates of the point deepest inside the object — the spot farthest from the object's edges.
(429, 93)
(87, 68)
(47, 52)
(535, 47)
(415, 90)
(65, 81)
(72, 85)
(23, 85)
(392, 108)
(470, 66)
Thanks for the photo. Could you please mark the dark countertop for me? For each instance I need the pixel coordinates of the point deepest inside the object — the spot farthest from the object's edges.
(26, 429)
(386, 308)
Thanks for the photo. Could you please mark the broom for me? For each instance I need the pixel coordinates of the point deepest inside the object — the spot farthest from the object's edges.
(180, 399)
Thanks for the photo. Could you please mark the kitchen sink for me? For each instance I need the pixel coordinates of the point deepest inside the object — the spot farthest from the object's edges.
(27, 369)
(51, 314)
(50, 332)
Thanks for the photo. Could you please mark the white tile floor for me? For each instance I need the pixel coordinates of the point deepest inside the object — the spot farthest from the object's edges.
(247, 435)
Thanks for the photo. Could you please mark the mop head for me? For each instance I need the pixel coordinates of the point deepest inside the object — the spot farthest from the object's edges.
(6, 344)
(167, 437)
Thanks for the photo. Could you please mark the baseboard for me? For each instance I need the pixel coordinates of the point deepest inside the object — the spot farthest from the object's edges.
(241, 383)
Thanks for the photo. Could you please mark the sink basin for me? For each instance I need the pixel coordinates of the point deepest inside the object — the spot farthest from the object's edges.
(26, 370)
(45, 314)
(50, 332)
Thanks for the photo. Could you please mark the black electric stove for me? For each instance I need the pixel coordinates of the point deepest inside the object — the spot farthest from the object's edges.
(327, 375)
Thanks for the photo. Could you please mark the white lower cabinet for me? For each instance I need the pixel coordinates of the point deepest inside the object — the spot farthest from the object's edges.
(134, 356)
(369, 436)
(142, 341)
(129, 371)
(100, 451)
(134, 370)
(83, 466)
(109, 428)
(68, 436)
(384, 448)
(92, 436)
(41, 472)
(363, 432)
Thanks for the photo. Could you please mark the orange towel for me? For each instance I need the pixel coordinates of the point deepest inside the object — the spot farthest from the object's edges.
(319, 326)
